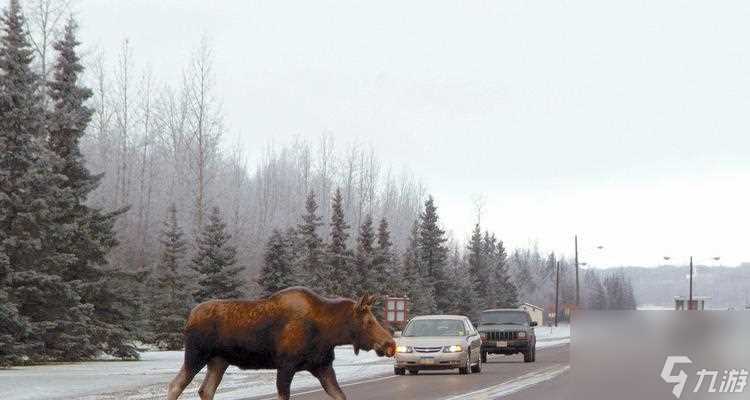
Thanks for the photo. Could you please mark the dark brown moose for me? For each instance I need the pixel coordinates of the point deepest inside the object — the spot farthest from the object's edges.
(292, 330)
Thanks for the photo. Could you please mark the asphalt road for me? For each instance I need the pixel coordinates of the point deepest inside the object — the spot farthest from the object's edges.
(502, 376)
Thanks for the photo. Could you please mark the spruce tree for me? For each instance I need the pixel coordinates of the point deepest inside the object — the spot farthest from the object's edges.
(478, 257)
(33, 197)
(295, 249)
(385, 272)
(503, 291)
(363, 258)
(277, 272)
(433, 253)
(218, 276)
(69, 117)
(421, 296)
(463, 298)
(170, 288)
(13, 328)
(338, 275)
(91, 233)
(311, 257)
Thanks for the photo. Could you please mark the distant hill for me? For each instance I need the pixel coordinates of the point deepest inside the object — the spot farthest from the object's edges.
(727, 286)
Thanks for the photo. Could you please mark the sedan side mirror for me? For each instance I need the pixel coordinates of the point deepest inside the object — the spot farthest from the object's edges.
(532, 323)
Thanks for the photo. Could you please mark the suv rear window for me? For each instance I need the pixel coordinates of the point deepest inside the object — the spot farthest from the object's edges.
(505, 318)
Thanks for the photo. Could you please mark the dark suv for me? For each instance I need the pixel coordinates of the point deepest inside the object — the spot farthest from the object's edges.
(507, 331)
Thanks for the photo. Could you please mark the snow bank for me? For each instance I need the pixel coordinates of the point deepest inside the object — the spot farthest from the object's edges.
(561, 331)
(549, 336)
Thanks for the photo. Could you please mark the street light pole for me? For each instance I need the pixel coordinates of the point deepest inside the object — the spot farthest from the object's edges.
(557, 291)
(690, 298)
(578, 287)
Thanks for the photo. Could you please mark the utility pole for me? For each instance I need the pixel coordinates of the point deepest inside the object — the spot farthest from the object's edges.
(557, 291)
(578, 288)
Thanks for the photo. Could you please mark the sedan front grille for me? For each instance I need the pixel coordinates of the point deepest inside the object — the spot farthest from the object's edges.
(502, 335)
(427, 349)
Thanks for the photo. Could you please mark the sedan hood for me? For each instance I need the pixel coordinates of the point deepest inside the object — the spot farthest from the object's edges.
(430, 341)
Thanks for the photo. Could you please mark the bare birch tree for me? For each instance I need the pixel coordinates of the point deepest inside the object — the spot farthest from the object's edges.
(204, 122)
(44, 19)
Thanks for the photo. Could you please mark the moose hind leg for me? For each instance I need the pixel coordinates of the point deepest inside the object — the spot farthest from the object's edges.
(327, 377)
(180, 382)
(216, 368)
(195, 360)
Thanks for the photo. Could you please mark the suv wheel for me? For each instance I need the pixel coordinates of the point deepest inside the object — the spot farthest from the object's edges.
(399, 371)
(413, 371)
(527, 356)
(484, 357)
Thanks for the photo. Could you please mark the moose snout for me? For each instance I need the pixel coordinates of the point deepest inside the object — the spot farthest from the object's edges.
(387, 349)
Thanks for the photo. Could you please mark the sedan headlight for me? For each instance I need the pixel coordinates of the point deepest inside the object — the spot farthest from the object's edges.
(522, 335)
(403, 349)
(453, 349)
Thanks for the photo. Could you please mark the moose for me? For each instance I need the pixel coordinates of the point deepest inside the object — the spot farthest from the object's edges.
(291, 330)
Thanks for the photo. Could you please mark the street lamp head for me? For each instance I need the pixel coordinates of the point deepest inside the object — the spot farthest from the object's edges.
(599, 247)
(717, 258)
(583, 264)
(667, 258)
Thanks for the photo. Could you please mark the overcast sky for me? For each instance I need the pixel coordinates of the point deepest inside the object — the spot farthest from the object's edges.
(626, 122)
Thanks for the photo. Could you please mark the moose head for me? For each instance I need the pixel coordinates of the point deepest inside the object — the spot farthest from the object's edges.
(367, 333)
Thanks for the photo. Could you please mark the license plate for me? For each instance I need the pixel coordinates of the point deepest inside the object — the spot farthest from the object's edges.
(501, 344)
(427, 361)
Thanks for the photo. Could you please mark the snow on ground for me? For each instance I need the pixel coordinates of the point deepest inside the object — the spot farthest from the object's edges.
(147, 379)
(549, 336)
(652, 307)
(561, 331)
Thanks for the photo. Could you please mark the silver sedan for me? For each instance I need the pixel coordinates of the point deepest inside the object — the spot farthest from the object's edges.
(435, 342)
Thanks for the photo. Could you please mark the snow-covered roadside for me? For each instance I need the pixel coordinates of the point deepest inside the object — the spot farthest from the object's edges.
(550, 336)
(147, 378)
(561, 331)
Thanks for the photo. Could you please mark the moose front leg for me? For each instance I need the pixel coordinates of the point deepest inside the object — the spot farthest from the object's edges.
(327, 377)
(284, 378)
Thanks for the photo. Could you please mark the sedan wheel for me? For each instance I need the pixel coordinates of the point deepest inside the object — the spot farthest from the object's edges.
(478, 367)
(466, 369)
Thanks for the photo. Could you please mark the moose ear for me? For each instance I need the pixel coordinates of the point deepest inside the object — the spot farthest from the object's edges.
(361, 303)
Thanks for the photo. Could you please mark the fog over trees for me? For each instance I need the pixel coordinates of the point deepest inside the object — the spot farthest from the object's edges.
(125, 202)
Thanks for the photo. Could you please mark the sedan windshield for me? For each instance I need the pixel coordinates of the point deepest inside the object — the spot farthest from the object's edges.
(505, 318)
(435, 327)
